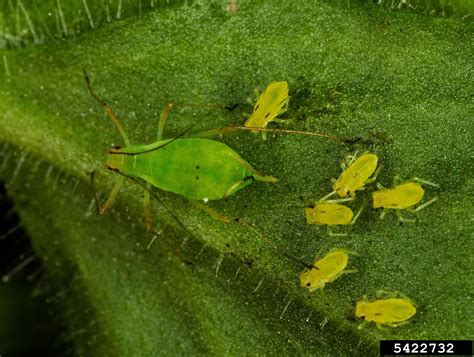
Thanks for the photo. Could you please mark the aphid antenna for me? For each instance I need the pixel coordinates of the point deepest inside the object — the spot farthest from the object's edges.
(362, 206)
(230, 129)
(108, 110)
(151, 147)
(273, 245)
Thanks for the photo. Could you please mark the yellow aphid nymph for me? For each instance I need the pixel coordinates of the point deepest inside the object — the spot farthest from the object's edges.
(393, 311)
(356, 175)
(330, 214)
(402, 196)
(325, 270)
(271, 103)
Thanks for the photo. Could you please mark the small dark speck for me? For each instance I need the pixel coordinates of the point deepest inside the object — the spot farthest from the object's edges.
(197, 177)
(197, 167)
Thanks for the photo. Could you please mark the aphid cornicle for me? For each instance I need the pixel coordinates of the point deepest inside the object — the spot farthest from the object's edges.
(394, 310)
(402, 196)
(327, 269)
(357, 174)
(195, 167)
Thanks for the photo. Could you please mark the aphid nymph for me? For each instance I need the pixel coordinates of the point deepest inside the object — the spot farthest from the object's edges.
(394, 310)
(326, 270)
(402, 196)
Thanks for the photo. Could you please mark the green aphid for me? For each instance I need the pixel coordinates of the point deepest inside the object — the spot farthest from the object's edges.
(196, 168)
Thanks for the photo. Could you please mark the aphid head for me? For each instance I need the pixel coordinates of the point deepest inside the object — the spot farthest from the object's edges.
(310, 282)
(342, 190)
(114, 161)
(360, 309)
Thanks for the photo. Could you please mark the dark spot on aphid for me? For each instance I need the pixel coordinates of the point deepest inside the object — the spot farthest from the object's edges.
(266, 115)
(308, 284)
(283, 101)
(197, 177)
(362, 317)
(256, 107)
(378, 314)
(197, 167)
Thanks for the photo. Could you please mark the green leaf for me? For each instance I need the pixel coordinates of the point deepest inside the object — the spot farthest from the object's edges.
(399, 79)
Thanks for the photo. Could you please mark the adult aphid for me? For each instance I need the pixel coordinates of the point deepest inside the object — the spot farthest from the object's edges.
(196, 168)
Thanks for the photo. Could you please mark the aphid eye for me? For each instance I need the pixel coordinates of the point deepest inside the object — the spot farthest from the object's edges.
(308, 284)
(362, 317)
(117, 147)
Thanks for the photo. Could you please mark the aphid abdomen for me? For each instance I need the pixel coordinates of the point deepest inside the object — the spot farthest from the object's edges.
(390, 310)
(332, 214)
(385, 311)
(400, 197)
(197, 169)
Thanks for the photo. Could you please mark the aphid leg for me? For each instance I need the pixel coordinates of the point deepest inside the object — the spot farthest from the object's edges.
(348, 160)
(220, 217)
(327, 196)
(380, 186)
(332, 234)
(338, 200)
(108, 111)
(389, 294)
(398, 324)
(402, 219)
(211, 212)
(429, 183)
(362, 324)
(349, 271)
(396, 180)
(384, 212)
(285, 121)
(426, 204)
(147, 207)
(113, 194)
(358, 213)
(169, 107)
(374, 176)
